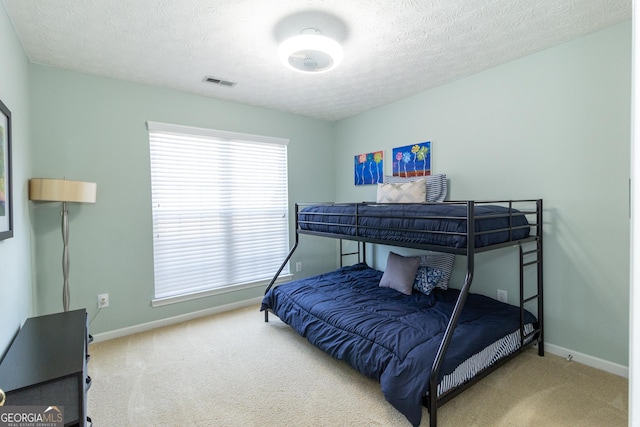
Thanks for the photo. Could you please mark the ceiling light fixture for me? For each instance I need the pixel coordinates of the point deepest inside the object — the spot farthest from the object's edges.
(310, 52)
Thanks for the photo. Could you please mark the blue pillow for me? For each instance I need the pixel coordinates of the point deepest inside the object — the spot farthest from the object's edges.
(427, 278)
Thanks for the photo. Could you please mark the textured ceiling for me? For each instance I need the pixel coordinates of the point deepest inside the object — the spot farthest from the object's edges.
(393, 48)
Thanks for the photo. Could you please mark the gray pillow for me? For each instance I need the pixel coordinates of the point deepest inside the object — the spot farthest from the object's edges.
(400, 273)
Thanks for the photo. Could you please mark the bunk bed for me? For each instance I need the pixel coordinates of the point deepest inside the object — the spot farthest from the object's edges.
(424, 348)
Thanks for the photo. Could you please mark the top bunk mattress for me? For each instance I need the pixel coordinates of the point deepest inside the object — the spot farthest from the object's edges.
(439, 224)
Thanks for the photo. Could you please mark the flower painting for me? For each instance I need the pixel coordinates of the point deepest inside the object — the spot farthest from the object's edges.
(368, 168)
(412, 160)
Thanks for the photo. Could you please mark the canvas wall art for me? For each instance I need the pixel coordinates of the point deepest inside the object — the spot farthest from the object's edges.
(6, 220)
(368, 168)
(412, 160)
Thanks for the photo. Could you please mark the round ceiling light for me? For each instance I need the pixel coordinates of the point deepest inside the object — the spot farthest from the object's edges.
(310, 52)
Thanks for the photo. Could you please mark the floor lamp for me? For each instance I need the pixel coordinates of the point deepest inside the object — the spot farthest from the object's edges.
(65, 191)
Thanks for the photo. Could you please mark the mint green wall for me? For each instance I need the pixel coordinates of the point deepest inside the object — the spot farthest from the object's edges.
(15, 253)
(563, 112)
(554, 125)
(92, 128)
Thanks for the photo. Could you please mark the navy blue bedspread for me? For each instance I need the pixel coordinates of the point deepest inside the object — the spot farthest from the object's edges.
(408, 222)
(386, 335)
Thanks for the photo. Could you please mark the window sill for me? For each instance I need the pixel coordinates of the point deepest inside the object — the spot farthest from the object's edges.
(159, 302)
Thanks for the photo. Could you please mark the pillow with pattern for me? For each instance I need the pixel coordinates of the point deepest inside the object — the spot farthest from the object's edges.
(436, 185)
(405, 192)
(427, 278)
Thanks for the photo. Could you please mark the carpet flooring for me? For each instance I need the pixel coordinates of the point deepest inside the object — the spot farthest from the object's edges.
(233, 369)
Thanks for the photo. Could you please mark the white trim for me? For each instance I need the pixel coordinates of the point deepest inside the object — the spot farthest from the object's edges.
(585, 359)
(565, 353)
(214, 133)
(159, 302)
(118, 333)
(634, 208)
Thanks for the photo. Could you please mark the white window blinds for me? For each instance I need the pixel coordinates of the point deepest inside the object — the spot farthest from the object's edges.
(220, 209)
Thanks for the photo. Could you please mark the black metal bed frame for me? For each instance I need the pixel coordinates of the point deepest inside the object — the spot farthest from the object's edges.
(527, 257)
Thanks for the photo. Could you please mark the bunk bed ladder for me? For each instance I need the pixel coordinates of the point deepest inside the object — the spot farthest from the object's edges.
(528, 258)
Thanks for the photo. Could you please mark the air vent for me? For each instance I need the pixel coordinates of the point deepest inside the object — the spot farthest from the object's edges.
(218, 81)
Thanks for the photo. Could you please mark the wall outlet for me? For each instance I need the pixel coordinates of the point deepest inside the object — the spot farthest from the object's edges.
(502, 295)
(298, 266)
(103, 300)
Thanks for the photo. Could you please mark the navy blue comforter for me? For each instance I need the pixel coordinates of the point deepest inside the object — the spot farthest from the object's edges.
(442, 224)
(387, 335)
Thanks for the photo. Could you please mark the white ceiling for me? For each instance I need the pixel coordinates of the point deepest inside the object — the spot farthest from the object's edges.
(393, 48)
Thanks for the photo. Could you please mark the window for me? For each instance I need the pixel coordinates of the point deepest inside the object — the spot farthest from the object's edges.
(220, 210)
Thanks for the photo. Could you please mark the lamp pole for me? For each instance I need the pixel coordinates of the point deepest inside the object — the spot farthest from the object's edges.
(65, 256)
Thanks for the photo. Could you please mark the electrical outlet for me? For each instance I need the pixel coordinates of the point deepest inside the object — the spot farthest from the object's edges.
(502, 295)
(299, 266)
(103, 300)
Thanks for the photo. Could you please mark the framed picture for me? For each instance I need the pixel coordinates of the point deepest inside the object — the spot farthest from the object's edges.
(368, 168)
(412, 160)
(6, 218)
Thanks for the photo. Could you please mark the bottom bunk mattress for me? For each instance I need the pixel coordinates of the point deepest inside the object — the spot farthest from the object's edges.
(393, 337)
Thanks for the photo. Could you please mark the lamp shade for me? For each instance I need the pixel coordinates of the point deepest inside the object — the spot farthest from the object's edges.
(62, 190)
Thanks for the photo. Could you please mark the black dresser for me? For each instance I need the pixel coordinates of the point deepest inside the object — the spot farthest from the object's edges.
(47, 365)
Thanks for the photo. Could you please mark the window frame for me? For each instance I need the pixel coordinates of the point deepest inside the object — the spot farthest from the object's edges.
(215, 136)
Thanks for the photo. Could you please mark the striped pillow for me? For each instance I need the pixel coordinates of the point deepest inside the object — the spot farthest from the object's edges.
(436, 185)
(439, 261)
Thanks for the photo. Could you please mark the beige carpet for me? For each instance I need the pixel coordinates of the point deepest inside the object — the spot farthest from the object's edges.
(232, 369)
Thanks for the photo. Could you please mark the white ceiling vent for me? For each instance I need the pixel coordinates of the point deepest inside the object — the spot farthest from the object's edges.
(218, 81)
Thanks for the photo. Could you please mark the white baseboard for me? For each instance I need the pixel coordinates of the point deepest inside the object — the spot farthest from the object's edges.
(173, 320)
(585, 359)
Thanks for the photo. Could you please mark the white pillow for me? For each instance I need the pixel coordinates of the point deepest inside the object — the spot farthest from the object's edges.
(436, 185)
(407, 192)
